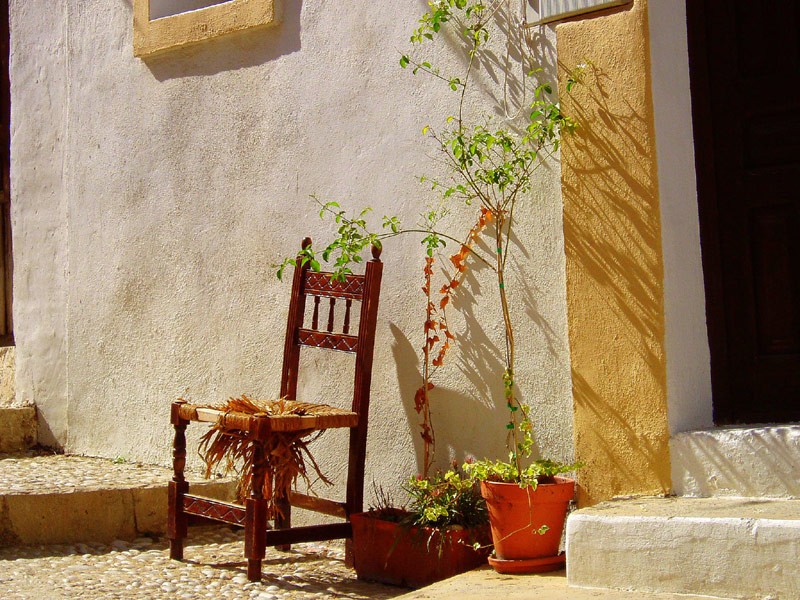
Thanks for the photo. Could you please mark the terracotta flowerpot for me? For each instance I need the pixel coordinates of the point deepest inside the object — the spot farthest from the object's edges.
(516, 514)
(388, 552)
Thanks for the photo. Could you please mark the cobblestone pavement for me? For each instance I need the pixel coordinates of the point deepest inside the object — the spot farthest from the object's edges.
(214, 568)
(33, 471)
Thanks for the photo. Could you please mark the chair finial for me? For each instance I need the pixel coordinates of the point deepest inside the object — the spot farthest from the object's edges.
(377, 248)
(306, 243)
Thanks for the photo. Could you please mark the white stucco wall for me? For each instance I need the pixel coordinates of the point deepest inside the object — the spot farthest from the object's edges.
(688, 358)
(39, 107)
(150, 199)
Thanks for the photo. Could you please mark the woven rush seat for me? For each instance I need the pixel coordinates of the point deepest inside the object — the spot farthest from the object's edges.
(291, 416)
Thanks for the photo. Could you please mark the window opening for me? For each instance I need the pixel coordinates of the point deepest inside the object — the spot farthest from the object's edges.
(166, 8)
(161, 25)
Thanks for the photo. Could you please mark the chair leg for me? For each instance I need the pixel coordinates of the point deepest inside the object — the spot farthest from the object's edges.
(177, 521)
(349, 556)
(255, 536)
(355, 478)
(255, 525)
(283, 520)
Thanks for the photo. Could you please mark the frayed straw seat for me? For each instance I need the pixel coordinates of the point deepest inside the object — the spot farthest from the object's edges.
(271, 437)
(298, 416)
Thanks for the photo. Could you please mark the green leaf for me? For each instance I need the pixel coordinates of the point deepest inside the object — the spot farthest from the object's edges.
(404, 61)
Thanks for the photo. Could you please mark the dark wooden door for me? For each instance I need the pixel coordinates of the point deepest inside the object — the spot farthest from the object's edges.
(745, 71)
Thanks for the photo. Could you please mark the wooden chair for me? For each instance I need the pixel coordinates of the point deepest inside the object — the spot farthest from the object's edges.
(185, 507)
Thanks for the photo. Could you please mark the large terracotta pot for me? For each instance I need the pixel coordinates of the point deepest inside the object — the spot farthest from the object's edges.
(391, 553)
(516, 515)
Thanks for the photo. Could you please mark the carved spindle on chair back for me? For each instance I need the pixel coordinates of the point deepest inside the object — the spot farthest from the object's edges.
(319, 285)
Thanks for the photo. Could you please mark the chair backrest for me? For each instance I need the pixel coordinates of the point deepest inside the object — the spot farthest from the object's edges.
(318, 288)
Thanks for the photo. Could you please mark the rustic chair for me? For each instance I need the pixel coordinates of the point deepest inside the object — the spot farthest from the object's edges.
(185, 508)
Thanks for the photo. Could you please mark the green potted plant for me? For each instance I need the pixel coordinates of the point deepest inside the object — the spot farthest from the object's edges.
(527, 512)
(441, 533)
(491, 169)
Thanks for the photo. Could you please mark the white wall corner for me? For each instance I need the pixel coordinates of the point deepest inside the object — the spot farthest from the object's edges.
(39, 96)
(688, 357)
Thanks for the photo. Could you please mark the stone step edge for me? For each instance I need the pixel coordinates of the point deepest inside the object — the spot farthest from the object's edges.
(92, 515)
(732, 461)
(18, 428)
(726, 557)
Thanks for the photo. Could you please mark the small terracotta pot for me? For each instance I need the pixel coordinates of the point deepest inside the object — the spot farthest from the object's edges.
(388, 552)
(516, 514)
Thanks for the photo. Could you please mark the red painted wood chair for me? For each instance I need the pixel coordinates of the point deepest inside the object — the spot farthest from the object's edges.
(185, 507)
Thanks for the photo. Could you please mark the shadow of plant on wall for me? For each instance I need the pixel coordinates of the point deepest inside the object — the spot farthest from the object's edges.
(733, 462)
(613, 245)
(457, 437)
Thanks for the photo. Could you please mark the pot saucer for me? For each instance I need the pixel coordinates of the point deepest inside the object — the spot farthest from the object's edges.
(528, 565)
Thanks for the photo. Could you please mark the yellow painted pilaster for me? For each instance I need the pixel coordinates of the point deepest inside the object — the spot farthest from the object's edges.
(615, 276)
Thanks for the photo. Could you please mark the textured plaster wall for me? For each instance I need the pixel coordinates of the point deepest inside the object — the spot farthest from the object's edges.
(39, 181)
(615, 271)
(8, 393)
(151, 198)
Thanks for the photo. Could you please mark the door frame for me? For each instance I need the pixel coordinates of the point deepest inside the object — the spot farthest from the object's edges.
(6, 255)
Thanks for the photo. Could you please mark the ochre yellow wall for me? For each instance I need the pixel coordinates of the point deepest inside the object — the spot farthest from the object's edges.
(612, 234)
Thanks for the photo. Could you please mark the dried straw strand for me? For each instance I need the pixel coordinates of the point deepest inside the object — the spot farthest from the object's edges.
(285, 453)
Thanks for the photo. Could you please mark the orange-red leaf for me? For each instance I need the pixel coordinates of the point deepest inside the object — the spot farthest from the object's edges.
(428, 270)
(419, 399)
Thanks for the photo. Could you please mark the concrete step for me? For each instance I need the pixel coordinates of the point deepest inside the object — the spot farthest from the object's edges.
(762, 462)
(58, 499)
(723, 547)
(18, 428)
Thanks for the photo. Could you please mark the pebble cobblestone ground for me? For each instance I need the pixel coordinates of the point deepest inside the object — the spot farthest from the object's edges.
(214, 565)
(214, 568)
(35, 471)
